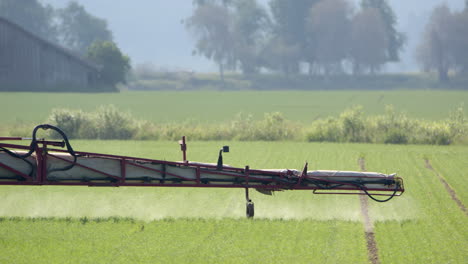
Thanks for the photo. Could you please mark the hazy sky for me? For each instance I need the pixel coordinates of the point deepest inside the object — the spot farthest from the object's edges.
(151, 30)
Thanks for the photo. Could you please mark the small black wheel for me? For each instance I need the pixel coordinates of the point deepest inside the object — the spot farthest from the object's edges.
(250, 209)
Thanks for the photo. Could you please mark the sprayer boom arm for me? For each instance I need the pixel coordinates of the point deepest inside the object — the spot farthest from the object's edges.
(40, 164)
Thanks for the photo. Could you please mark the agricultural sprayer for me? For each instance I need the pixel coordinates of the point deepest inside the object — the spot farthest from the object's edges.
(46, 162)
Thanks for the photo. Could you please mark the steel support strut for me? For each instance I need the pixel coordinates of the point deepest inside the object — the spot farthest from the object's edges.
(250, 211)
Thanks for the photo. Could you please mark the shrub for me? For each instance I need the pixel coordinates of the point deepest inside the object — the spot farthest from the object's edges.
(325, 130)
(145, 131)
(395, 136)
(353, 125)
(350, 126)
(242, 127)
(390, 128)
(71, 122)
(114, 124)
(433, 133)
(458, 124)
(17, 130)
(106, 123)
(275, 127)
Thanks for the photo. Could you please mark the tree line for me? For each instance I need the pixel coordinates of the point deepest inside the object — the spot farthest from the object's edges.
(74, 28)
(317, 37)
(444, 47)
(320, 37)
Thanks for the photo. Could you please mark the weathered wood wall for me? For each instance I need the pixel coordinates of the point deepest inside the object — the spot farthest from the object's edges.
(28, 62)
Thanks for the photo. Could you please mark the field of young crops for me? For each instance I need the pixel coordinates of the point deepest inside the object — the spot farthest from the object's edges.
(168, 225)
(218, 106)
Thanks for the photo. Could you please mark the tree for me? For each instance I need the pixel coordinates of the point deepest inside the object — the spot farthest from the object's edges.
(225, 3)
(288, 28)
(434, 52)
(445, 43)
(396, 39)
(114, 64)
(249, 24)
(31, 15)
(79, 29)
(278, 54)
(329, 22)
(290, 19)
(211, 25)
(459, 40)
(369, 43)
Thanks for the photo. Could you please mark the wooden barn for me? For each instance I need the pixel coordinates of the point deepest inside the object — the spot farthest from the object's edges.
(28, 62)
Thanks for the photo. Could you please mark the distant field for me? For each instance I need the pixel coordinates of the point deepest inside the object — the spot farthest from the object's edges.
(217, 106)
(170, 225)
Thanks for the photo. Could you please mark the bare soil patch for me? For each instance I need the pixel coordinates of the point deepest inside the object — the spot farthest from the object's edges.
(372, 249)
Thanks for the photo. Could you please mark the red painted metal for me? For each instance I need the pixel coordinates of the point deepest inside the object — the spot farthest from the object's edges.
(247, 174)
(42, 153)
(41, 164)
(11, 138)
(123, 170)
(198, 172)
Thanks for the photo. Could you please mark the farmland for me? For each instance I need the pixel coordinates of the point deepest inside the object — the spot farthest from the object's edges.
(188, 225)
(121, 225)
(218, 106)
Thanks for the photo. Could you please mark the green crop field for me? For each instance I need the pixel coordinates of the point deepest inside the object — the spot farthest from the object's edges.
(170, 225)
(190, 225)
(218, 106)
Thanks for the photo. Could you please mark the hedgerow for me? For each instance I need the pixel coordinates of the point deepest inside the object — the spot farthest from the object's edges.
(352, 125)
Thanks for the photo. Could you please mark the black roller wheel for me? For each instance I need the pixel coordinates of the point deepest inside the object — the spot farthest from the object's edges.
(250, 210)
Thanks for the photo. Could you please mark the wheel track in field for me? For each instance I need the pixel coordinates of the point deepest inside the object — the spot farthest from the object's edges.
(447, 186)
(372, 249)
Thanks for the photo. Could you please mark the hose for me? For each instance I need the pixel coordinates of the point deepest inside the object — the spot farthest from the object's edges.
(361, 186)
(378, 200)
(33, 145)
(13, 154)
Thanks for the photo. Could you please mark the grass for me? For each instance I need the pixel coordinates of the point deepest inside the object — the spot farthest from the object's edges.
(218, 106)
(439, 233)
(453, 167)
(169, 225)
(180, 241)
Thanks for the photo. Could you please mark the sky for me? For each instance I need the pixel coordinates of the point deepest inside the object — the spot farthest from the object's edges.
(150, 31)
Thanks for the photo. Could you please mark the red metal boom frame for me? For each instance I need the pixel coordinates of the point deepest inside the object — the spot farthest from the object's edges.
(43, 152)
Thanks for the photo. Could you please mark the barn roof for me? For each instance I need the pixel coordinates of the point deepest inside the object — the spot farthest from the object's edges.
(60, 49)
